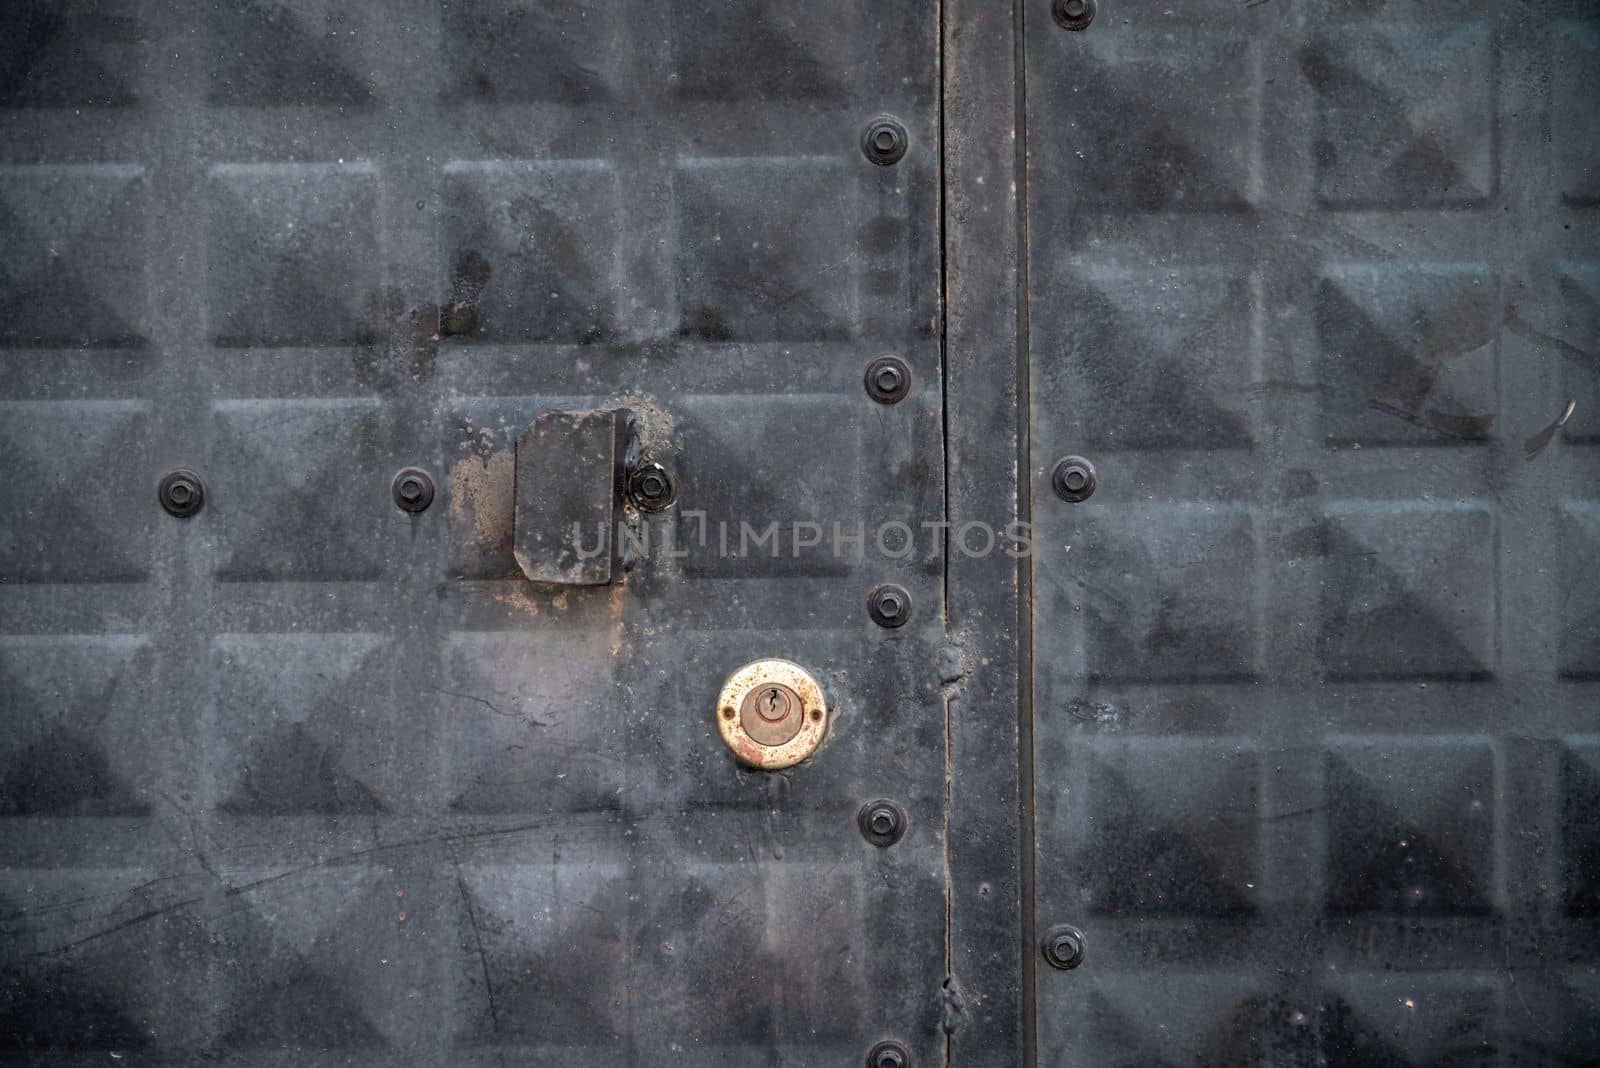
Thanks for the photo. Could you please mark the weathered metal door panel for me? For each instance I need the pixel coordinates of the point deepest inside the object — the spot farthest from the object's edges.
(1315, 667)
(309, 778)
(298, 767)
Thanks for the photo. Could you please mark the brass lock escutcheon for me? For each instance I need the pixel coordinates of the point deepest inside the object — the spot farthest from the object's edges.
(771, 714)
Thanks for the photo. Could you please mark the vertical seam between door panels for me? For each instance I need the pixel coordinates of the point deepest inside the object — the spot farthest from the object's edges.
(1025, 769)
(944, 474)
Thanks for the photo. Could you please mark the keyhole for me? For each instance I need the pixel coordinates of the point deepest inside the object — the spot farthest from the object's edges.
(773, 705)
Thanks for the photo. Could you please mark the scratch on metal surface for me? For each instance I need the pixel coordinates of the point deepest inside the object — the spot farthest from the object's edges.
(1522, 328)
(477, 938)
(332, 860)
(1292, 814)
(132, 921)
(526, 717)
(1537, 443)
(1426, 421)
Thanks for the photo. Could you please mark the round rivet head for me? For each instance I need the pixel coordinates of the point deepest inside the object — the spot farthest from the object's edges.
(889, 1054)
(888, 380)
(650, 486)
(1074, 479)
(181, 493)
(882, 822)
(413, 490)
(1073, 14)
(1063, 947)
(884, 142)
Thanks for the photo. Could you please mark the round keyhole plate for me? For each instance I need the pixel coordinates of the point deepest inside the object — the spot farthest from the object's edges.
(771, 714)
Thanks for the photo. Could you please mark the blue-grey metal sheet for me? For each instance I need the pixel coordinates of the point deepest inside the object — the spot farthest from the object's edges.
(1316, 667)
(306, 779)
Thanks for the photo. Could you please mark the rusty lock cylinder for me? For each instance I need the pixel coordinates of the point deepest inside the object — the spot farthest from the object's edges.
(771, 714)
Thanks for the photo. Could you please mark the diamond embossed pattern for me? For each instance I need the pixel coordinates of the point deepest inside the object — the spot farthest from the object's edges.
(1315, 667)
(306, 779)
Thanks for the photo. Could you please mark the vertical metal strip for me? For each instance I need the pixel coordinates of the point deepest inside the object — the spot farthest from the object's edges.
(986, 414)
(1025, 711)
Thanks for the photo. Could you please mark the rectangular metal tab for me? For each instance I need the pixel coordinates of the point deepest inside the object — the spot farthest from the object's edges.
(568, 482)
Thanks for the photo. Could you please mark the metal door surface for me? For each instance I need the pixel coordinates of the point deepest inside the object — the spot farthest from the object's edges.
(1165, 434)
(1311, 286)
(312, 777)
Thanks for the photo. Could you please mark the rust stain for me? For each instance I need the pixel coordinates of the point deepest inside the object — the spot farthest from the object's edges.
(598, 610)
(652, 422)
(482, 500)
(517, 596)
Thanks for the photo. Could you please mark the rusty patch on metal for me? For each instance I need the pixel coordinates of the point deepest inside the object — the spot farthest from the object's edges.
(482, 501)
(771, 714)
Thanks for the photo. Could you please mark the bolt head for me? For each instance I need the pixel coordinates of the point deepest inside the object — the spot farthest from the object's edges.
(888, 380)
(1064, 947)
(1073, 14)
(889, 1055)
(181, 493)
(1074, 479)
(882, 822)
(412, 490)
(884, 142)
(650, 486)
(889, 606)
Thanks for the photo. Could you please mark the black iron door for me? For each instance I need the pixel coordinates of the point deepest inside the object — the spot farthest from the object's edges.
(309, 771)
(1312, 287)
(507, 552)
